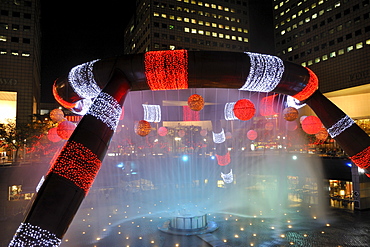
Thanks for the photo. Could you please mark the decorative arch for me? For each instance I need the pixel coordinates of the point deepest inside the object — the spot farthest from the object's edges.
(97, 90)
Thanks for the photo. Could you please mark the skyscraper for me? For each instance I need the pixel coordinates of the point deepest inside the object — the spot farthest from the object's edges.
(19, 59)
(332, 37)
(188, 24)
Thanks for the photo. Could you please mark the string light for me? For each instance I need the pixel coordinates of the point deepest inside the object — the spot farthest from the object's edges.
(189, 114)
(166, 70)
(340, 126)
(265, 73)
(244, 109)
(292, 102)
(60, 100)
(228, 177)
(362, 159)
(219, 137)
(152, 113)
(311, 87)
(78, 164)
(81, 78)
(223, 160)
(106, 109)
(30, 235)
(229, 111)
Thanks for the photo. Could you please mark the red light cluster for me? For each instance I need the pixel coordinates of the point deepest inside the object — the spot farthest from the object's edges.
(223, 160)
(78, 164)
(362, 159)
(311, 87)
(166, 70)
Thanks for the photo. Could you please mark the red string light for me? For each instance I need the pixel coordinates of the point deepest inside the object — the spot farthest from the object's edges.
(223, 160)
(362, 159)
(166, 70)
(61, 101)
(244, 109)
(78, 164)
(190, 115)
(311, 87)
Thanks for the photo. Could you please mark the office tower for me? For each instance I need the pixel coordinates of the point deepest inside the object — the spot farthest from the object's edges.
(332, 37)
(188, 24)
(19, 59)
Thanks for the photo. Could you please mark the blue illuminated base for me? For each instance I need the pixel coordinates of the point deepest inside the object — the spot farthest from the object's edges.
(188, 225)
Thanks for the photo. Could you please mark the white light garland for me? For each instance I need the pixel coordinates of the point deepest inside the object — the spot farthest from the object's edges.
(265, 73)
(152, 113)
(82, 80)
(33, 236)
(340, 126)
(229, 111)
(228, 177)
(293, 102)
(106, 109)
(219, 137)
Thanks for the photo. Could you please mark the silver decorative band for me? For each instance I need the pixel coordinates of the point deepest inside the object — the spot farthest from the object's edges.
(219, 137)
(340, 126)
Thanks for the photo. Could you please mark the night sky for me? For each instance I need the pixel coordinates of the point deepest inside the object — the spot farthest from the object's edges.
(75, 33)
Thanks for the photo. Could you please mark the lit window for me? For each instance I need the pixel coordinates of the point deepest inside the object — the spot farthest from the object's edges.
(359, 45)
(300, 13)
(172, 17)
(341, 52)
(2, 38)
(349, 48)
(3, 52)
(179, 18)
(233, 37)
(233, 29)
(246, 40)
(232, 10)
(227, 27)
(220, 26)
(313, 6)
(208, 33)
(337, 4)
(227, 36)
(15, 53)
(240, 38)
(333, 54)
(206, 5)
(221, 35)
(226, 9)
(193, 30)
(276, 7)
(220, 7)
(317, 60)
(208, 24)
(164, 16)
(307, 19)
(214, 34)
(193, 21)
(213, 6)
(186, 1)
(290, 49)
(309, 63)
(368, 42)
(201, 32)
(240, 30)
(172, 47)
(26, 54)
(282, 32)
(193, 2)
(214, 24)
(321, 2)
(186, 30)
(245, 30)
(186, 19)
(156, 14)
(200, 3)
(325, 57)
(321, 12)
(314, 16)
(200, 22)
(303, 64)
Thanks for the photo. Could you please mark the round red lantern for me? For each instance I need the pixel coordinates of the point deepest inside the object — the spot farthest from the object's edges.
(142, 128)
(57, 115)
(290, 114)
(181, 133)
(196, 102)
(311, 125)
(252, 135)
(244, 109)
(162, 131)
(65, 129)
(322, 134)
(291, 126)
(53, 135)
(269, 126)
(203, 132)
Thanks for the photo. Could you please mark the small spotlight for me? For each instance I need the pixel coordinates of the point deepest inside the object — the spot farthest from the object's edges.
(185, 158)
(294, 157)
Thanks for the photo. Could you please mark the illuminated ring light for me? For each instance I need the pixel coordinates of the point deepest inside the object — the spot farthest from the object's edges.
(167, 70)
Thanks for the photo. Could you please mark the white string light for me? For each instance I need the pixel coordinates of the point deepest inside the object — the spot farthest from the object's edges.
(152, 113)
(340, 126)
(82, 80)
(219, 137)
(228, 177)
(106, 109)
(293, 102)
(265, 73)
(229, 111)
(30, 235)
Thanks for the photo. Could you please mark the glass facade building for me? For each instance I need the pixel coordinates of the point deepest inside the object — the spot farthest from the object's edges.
(188, 24)
(19, 58)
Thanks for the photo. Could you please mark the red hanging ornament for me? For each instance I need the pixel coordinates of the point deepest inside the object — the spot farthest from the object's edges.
(290, 114)
(53, 135)
(65, 129)
(267, 105)
(162, 131)
(223, 160)
(311, 125)
(244, 109)
(196, 102)
(142, 128)
(252, 135)
(322, 134)
(269, 126)
(57, 115)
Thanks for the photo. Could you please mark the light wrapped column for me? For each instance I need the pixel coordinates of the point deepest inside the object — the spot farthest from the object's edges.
(340, 126)
(219, 137)
(229, 111)
(152, 113)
